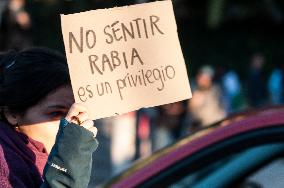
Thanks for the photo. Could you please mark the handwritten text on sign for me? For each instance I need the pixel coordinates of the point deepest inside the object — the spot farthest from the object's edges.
(122, 59)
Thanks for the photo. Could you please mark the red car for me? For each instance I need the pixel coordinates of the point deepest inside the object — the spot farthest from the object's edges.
(226, 154)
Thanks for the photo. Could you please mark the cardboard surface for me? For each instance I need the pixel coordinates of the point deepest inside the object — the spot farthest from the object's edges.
(125, 58)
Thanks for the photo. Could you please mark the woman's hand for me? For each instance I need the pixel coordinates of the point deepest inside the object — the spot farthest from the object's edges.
(78, 114)
(70, 161)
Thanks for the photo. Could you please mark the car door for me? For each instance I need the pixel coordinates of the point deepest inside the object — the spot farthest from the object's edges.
(223, 164)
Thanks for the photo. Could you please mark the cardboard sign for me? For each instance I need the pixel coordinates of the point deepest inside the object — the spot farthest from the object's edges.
(125, 58)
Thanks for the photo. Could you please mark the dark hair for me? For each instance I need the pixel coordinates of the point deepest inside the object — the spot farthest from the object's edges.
(26, 77)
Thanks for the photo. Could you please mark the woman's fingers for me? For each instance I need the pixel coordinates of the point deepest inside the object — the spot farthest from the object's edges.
(80, 118)
(78, 115)
(94, 130)
(87, 124)
(74, 111)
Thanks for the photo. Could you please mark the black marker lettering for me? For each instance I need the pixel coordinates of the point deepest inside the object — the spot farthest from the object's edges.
(135, 55)
(120, 85)
(92, 60)
(107, 85)
(89, 91)
(126, 30)
(105, 60)
(81, 94)
(102, 89)
(108, 34)
(137, 26)
(114, 56)
(148, 75)
(90, 46)
(173, 71)
(115, 30)
(154, 24)
(73, 39)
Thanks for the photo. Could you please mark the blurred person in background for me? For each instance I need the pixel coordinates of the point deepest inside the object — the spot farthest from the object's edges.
(231, 87)
(206, 105)
(15, 26)
(145, 126)
(256, 85)
(275, 85)
(169, 124)
(123, 129)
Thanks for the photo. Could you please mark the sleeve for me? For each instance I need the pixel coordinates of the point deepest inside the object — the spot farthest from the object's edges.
(70, 161)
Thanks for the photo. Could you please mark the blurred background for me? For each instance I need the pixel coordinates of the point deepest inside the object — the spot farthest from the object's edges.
(234, 52)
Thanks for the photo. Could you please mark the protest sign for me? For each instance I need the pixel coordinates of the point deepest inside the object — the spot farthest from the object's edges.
(125, 58)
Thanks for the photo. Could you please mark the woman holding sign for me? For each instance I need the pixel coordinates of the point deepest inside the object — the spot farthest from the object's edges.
(46, 140)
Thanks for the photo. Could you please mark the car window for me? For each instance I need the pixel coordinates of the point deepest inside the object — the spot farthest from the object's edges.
(191, 179)
(216, 165)
(270, 175)
(228, 171)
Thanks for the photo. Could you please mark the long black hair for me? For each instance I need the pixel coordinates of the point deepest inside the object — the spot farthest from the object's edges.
(26, 77)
